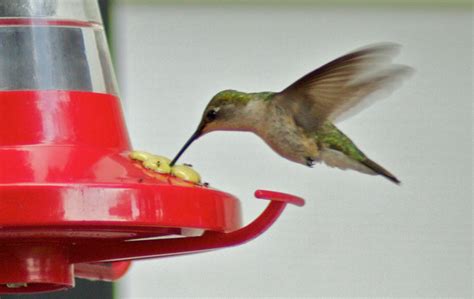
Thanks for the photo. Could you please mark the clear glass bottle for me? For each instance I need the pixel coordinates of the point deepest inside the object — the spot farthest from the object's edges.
(54, 45)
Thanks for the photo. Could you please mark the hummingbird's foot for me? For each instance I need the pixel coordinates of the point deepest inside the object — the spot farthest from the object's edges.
(310, 162)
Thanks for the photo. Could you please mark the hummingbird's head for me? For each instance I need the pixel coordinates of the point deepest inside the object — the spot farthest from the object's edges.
(224, 112)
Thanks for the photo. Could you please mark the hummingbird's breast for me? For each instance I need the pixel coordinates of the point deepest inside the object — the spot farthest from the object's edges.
(279, 130)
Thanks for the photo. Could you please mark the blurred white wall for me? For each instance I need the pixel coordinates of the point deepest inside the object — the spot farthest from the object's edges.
(358, 235)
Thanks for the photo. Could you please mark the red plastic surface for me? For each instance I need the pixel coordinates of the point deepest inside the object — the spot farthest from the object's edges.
(45, 22)
(101, 271)
(169, 247)
(34, 267)
(64, 158)
(70, 196)
(61, 118)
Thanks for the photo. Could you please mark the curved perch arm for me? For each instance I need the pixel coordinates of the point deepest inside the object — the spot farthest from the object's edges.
(279, 196)
(119, 251)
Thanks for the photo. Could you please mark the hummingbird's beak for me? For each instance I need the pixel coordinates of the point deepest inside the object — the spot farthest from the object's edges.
(193, 137)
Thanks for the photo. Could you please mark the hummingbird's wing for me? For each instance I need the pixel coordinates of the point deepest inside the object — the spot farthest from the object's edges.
(340, 87)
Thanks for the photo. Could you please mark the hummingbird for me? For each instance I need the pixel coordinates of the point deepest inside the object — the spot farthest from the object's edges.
(298, 122)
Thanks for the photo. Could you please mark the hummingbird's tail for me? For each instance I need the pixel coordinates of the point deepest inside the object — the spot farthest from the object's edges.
(344, 160)
(337, 150)
(380, 170)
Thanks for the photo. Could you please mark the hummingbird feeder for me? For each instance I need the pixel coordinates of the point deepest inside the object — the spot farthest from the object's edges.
(72, 202)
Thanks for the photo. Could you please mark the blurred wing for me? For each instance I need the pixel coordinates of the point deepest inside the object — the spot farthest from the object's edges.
(339, 87)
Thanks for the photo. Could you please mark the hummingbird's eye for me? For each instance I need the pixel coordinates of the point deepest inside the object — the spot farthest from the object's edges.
(211, 114)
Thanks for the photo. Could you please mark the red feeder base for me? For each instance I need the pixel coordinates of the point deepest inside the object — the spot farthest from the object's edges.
(71, 198)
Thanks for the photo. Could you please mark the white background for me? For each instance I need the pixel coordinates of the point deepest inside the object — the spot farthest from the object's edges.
(358, 235)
